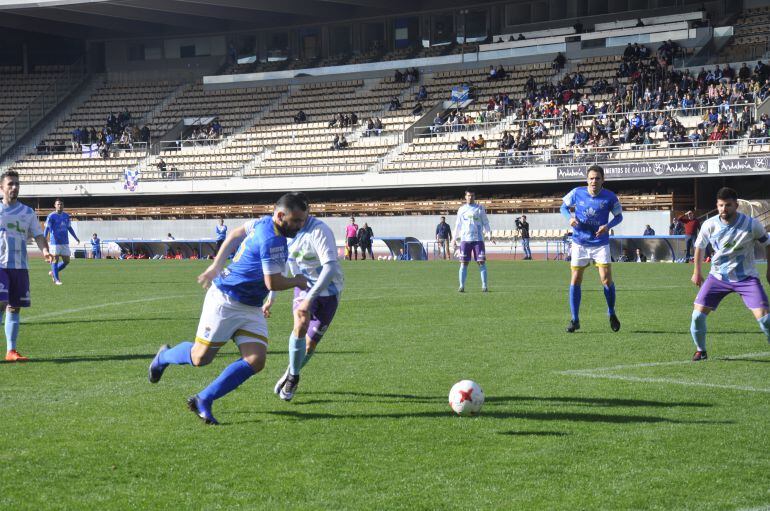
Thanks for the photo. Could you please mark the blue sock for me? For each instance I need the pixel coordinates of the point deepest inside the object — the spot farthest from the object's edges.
(307, 358)
(230, 379)
(575, 293)
(55, 271)
(11, 330)
(296, 353)
(62, 265)
(609, 295)
(483, 270)
(463, 274)
(764, 324)
(698, 329)
(181, 354)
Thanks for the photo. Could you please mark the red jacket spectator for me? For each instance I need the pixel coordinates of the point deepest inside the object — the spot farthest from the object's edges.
(691, 224)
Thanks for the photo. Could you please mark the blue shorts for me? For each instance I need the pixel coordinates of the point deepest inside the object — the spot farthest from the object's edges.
(14, 287)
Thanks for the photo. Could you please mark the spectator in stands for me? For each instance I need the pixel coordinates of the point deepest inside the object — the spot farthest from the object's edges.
(438, 124)
(463, 145)
(398, 76)
(161, 168)
(365, 238)
(640, 257)
(691, 227)
(300, 117)
(648, 231)
(558, 62)
(353, 119)
(336, 142)
(521, 37)
(395, 104)
(422, 93)
(492, 74)
(343, 142)
(378, 126)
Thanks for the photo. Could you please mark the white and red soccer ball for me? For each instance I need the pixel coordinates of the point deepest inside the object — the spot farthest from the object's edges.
(466, 397)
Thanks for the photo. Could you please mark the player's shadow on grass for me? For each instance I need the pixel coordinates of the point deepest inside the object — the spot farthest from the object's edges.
(533, 433)
(388, 398)
(93, 358)
(538, 416)
(751, 360)
(110, 320)
(687, 332)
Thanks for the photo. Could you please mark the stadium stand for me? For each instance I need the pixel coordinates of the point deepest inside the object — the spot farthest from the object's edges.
(20, 88)
(751, 36)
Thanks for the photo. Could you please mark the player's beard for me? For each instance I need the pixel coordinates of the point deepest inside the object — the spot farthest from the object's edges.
(286, 230)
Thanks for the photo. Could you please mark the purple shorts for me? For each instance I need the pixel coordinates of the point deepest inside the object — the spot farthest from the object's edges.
(713, 290)
(475, 248)
(322, 312)
(14, 287)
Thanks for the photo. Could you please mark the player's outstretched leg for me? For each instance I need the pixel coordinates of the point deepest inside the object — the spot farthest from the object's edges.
(65, 261)
(698, 331)
(483, 271)
(297, 346)
(54, 273)
(181, 354)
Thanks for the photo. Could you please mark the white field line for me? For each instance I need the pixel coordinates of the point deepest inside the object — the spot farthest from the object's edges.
(605, 373)
(64, 312)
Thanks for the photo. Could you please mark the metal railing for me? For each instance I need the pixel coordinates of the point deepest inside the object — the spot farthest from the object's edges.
(39, 107)
(175, 145)
(90, 150)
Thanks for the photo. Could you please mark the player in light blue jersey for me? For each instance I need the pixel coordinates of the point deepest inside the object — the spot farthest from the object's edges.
(59, 227)
(471, 228)
(232, 308)
(591, 240)
(313, 254)
(17, 224)
(733, 236)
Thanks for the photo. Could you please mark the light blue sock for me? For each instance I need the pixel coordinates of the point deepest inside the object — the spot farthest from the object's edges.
(463, 274)
(296, 353)
(764, 324)
(609, 295)
(62, 265)
(305, 360)
(575, 294)
(181, 354)
(55, 271)
(230, 379)
(698, 329)
(483, 270)
(11, 330)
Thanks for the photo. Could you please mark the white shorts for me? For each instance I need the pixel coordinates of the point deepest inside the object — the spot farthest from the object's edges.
(583, 256)
(224, 318)
(60, 250)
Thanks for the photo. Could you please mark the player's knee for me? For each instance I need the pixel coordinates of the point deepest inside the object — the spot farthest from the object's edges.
(200, 359)
(256, 361)
(13, 310)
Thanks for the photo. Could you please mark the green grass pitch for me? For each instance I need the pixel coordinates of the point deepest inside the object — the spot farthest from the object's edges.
(594, 420)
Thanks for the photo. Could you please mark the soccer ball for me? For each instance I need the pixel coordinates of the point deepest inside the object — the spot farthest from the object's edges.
(466, 397)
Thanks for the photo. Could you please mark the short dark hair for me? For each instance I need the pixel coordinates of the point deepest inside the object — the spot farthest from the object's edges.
(293, 201)
(726, 193)
(595, 168)
(8, 173)
(470, 190)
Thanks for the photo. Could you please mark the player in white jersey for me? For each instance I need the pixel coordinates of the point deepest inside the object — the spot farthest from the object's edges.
(471, 227)
(312, 254)
(732, 236)
(17, 223)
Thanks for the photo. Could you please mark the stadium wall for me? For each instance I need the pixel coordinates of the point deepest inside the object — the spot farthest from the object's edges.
(419, 226)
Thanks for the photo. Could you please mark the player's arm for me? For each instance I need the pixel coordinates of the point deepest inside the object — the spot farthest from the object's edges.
(566, 213)
(762, 237)
(42, 244)
(72, 231)
(486, 229)
(279, 282)
(458, 225)
(233, 239)
(617, 217)
(701, 242)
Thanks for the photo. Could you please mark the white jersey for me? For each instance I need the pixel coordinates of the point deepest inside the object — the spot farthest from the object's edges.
(733, 258)
(18, 223)
(472, 223)
(311, 248)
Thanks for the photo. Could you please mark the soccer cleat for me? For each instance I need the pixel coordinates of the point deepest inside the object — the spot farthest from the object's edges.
(573, 325)
(485, 289)
(50, 274)
(461, 290)
(280, 382)
(699, 355)
(202, 409)
(155, 372)
(614, 323)
(57, 282)
(14, 356)
(289, 387)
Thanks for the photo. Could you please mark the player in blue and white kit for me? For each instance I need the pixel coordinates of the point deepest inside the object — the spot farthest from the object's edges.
(17, 223)
(471, 227)
(732, 235)
(232, 308)
(221, 232)
(313, 254)
(59, 227)
(591, 240)
(96, 247)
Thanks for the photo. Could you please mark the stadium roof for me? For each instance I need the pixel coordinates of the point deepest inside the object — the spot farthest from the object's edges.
(96, 19)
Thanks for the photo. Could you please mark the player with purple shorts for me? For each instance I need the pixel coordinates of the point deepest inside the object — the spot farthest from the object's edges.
(313, 254)
(17, 223)
(732, 236)
(471, 227)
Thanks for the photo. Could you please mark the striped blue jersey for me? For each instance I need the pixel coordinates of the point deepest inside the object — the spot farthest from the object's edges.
(59, 225)
(311, 248)
(262, 252)
(733, 244)
(18, 223)
(591, 213)
(472, 223)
